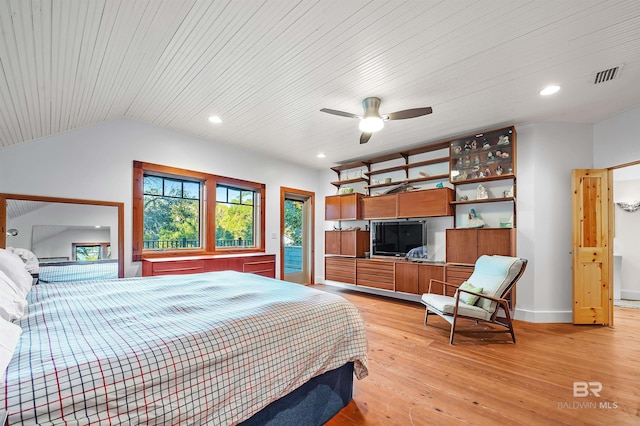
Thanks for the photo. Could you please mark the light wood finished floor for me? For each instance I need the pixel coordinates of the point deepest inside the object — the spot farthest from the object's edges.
(417, 378)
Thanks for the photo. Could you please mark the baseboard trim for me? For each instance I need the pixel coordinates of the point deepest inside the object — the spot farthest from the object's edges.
(629, 295)
(543, 316)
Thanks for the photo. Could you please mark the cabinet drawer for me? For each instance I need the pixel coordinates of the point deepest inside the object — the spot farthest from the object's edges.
(259, 266)
(371, 273)
(340, 269)
(178, 267)
(456, 275)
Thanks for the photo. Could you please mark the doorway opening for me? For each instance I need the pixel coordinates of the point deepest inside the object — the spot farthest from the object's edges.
(296, 235)
(626, 259)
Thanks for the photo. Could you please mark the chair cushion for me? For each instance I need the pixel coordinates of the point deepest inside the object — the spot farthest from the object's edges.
(494, 274)
(446, 305)
(469, 299)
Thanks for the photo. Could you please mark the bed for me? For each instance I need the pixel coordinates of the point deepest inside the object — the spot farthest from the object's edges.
(211, 348)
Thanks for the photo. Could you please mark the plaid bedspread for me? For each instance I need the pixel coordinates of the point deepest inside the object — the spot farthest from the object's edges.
(210, 348)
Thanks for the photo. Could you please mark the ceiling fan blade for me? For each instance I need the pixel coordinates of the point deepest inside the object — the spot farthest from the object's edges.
(364, 138)
(408, 113)
(340, 113)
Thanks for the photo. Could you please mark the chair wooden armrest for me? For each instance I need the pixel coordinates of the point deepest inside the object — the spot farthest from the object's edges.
(446, 284)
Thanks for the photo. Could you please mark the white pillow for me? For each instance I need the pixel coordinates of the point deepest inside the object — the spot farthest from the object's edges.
(29, 258)
(9, 336)
(14, 267)
(12, 302)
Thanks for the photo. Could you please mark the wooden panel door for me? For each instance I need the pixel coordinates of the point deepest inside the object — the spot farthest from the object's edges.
(429, 202)
(350, 208)
(332, 207)
(462, 246)
(591, 245)
(407, 277)
(380, 207)
(495, 241)
(332, 242)
(348, 243)
(425, 274)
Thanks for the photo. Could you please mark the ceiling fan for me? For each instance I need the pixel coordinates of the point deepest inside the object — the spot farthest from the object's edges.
(372, 121)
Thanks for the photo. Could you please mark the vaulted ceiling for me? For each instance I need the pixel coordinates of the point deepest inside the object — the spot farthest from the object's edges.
(268, 67)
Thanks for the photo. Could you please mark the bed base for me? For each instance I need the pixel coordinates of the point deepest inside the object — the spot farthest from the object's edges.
(313, 403)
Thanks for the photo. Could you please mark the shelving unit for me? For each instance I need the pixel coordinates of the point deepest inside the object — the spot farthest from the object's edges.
(487, 158)
(490, 158)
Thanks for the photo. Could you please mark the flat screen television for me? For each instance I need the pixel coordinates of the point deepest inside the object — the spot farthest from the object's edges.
(397, 238)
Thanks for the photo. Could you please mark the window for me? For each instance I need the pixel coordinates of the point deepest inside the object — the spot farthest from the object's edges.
(171, 213)
(235, 217)
(83, 252)
(178, 212)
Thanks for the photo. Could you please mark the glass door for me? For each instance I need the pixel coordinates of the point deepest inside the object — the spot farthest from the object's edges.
(297, 237)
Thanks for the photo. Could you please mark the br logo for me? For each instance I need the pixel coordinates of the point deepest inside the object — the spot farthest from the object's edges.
(584, 389)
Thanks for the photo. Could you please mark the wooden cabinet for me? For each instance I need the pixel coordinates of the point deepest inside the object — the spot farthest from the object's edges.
(258, 263)
(375, 273)
(352, 243)
(342, 269)
(425, 273)
(395, 275)
(426, 203)
(414, 277)
(464, 246)
(343, 207)
(407, 277)
(380, 207)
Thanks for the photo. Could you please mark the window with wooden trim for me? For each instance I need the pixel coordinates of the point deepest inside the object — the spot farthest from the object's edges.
(183, 212)
(83, 252)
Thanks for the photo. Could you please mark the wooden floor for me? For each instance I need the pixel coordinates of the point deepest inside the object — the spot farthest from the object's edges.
(417, 378)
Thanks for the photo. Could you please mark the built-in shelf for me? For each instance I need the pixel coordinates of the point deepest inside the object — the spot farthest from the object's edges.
(484, 200)
(415, 180)
(409, 166)
(339, 183)
(485, 179)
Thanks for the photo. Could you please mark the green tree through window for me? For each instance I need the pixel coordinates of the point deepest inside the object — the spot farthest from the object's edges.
(235, 216)
(171, 213)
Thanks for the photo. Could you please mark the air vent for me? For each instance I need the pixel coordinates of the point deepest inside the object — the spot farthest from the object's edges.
(607, 75)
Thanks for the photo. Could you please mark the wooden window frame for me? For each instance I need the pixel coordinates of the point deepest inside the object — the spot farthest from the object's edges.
(208, 219)
(104, 247)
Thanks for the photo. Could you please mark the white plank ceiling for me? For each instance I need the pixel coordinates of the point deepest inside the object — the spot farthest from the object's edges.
(268, 67)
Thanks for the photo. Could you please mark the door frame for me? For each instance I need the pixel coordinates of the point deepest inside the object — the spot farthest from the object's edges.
(285, 192)
(612, 229)
(611, 220)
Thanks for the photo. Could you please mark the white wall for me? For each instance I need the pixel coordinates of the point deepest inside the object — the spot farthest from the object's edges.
(547, 153)
(61, 245)
(615, 141)
(627, 234)
(96, 163)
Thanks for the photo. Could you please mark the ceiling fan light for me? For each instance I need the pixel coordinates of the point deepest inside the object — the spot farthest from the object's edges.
(371, 124)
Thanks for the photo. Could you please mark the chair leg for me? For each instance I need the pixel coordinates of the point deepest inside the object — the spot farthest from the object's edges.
(426, 315)
(453, 329)
(509, 322)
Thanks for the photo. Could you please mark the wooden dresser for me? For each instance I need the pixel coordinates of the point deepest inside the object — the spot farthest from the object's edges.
(255, 263)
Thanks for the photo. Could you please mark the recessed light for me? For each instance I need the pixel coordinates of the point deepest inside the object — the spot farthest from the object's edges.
(549, 90)
(215, 119)
(321, 155)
